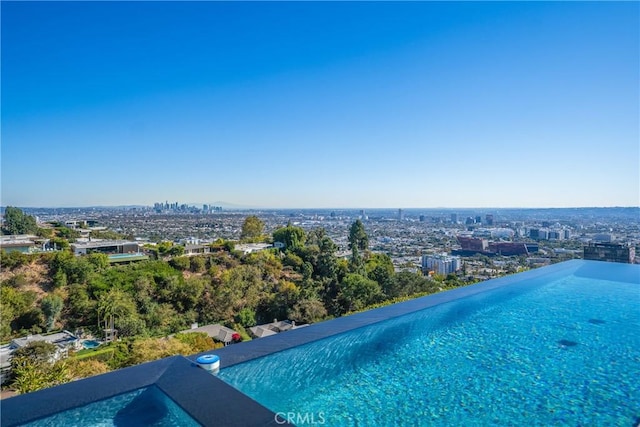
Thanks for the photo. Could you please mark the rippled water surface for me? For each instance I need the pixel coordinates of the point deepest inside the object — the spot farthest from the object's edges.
(564, 351)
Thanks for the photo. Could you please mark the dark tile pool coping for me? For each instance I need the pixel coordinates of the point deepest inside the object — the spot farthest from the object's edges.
(210, 400)
(207, 399)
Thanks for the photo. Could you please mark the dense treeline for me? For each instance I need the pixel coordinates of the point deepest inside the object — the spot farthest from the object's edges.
(304, 281)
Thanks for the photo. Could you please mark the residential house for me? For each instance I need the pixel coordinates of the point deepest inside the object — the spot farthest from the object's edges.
(215, 331)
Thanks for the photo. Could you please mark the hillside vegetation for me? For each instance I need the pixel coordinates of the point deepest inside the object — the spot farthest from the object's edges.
(304, 282)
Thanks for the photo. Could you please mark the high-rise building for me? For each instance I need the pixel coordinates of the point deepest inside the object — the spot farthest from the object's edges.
(539, 234)
(556, 235)
(454, 218)
(400, 215)
(488, 219)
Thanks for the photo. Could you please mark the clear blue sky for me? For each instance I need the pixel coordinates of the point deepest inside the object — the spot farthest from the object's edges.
(325, 104)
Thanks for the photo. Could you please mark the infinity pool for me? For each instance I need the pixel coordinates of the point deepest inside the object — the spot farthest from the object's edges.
(147, 406)
(559, 349)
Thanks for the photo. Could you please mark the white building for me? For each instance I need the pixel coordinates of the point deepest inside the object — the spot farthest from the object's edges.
(441, 263)
(63, 341)
(248, 248)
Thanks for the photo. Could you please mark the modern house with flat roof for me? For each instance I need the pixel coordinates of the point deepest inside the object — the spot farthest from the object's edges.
(25, 243)
(117, 251)
(195, 249)
(106, 247)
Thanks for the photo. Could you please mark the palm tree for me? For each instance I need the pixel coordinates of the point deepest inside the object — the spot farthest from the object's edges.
(113, 305)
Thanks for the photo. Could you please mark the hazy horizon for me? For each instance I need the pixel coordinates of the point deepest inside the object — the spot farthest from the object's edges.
(353, 104)
(230, 207)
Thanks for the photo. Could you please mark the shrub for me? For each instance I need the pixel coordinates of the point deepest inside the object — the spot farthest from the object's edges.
(83, 368)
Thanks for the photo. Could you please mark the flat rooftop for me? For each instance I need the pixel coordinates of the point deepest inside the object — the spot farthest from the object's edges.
(103, 243)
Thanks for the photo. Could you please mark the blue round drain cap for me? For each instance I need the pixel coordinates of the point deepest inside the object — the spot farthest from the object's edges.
(207, 359)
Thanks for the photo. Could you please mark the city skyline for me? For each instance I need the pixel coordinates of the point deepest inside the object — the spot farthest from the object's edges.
(321, 105)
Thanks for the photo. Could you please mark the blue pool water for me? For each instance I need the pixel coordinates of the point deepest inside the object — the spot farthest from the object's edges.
(146, 406)
(90, 344)
(552, 350)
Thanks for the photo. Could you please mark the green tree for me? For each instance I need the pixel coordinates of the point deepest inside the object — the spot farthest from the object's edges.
(81, 308)
(169, 249)
(184, 294)
(161, 318)
(60, 279)
(30, 321)
(252, 229)
(114, 306)
(68, 233)
(356, 292)
(17, 222)
(6, 317)
(143, 350)
(99, 261)
(76, 269)
(380, 268)
(358, 243)
(18, 310)
(406, 283)
(358, 238)
(246, 317)
(47, 233)
(268, 262)
(320, 253)
(51, 306)
(279, 304)
(238, 287)
(293, 237)
(33, 367)
(198, 341)
(308, 311)
(59, 243)
(176, 250)
(197, 264)
(181, 263)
